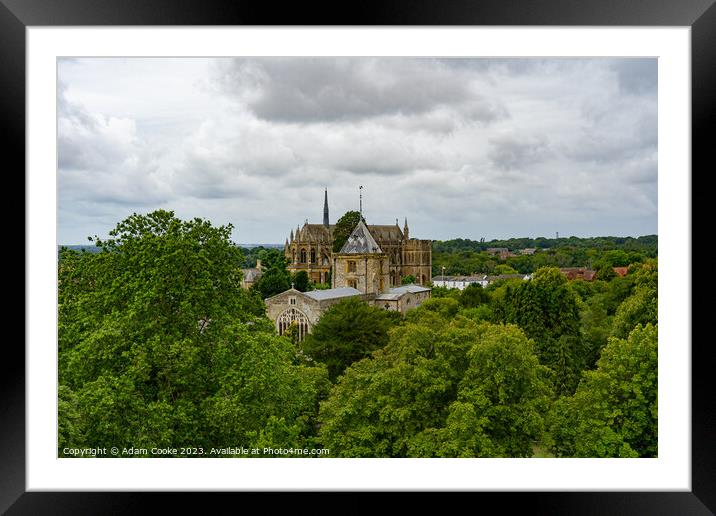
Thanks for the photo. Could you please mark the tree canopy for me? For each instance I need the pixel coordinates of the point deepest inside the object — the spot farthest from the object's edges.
(348, 331)
(614, 411)
(159, 344)
(440, 388)
(343, 229)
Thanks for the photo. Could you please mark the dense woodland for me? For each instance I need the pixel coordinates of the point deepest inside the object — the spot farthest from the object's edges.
(464, 257)
(159, 346)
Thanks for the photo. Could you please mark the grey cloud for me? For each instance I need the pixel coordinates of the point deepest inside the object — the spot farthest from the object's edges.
(463, 148)
(517, 151)
(329, 89)
(636, 75)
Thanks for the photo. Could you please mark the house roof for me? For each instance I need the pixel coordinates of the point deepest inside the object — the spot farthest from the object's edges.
(507, 277)
(361, 241)
(398, 292)
(460, 278)
(332, 293)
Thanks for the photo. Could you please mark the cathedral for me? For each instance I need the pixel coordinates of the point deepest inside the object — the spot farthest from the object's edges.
(310, 249)
(370, 266)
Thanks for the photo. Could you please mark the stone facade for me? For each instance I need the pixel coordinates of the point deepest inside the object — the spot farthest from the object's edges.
(305, 308)
(310, 248)
(402, 299)
(362, 268)
(364, 272)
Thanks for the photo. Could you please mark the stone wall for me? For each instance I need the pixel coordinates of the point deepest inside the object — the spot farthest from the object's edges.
(371, 275)
(277, 304)
(417, 261)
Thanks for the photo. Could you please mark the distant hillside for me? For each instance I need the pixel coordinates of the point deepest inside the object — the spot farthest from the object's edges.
(642, 243)
(461, 256)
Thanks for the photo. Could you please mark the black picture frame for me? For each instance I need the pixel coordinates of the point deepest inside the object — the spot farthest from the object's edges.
(700, 15)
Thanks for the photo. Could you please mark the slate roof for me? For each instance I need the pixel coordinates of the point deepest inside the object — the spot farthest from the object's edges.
(360, 241)
(332, 293)
(385, 233)
(398, 292)
(316, 232)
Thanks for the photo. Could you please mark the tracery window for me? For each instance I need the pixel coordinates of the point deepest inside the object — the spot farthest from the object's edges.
(293, 316)
(303, 256)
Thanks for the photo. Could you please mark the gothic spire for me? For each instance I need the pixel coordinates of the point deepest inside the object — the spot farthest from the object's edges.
(325, 209)
(405, 229)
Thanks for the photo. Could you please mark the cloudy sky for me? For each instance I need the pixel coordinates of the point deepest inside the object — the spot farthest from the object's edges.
(470, 148)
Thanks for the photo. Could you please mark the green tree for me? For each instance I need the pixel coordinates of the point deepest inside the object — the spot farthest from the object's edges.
(441, 388)
(343, 229)
(348, 331)
(605, 272)
(504, 269)
(614, 411)
(642, 306)
(275, 277)
(547, 309)
(301, 281)
(473, 295)
(408, 280)
(159, 344)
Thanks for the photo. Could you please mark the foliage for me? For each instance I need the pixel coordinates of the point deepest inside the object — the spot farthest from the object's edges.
(464, 257)
(446, 307)
(160, 345)
(642, 306)
(348, 331)
(275, 277)
(301, 282)
(473, 295)
(343, 229)
(441, 388)
(614, 411)
(605, 272)
(504, 269)
(408, 280)
(547, 309)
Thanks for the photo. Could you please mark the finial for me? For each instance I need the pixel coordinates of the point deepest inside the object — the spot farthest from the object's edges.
(360, 196)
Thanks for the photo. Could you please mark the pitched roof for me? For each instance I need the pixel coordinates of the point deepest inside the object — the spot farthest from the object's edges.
(385, 233)
(398, 292)
(332, 293)
(360, 241)
(316, 232)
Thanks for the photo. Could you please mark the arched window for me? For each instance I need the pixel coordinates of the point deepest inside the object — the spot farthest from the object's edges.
(303, 256)
(291, 316)
(313, 256)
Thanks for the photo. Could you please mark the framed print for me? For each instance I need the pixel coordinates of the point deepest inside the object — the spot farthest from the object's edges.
(516, 120)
